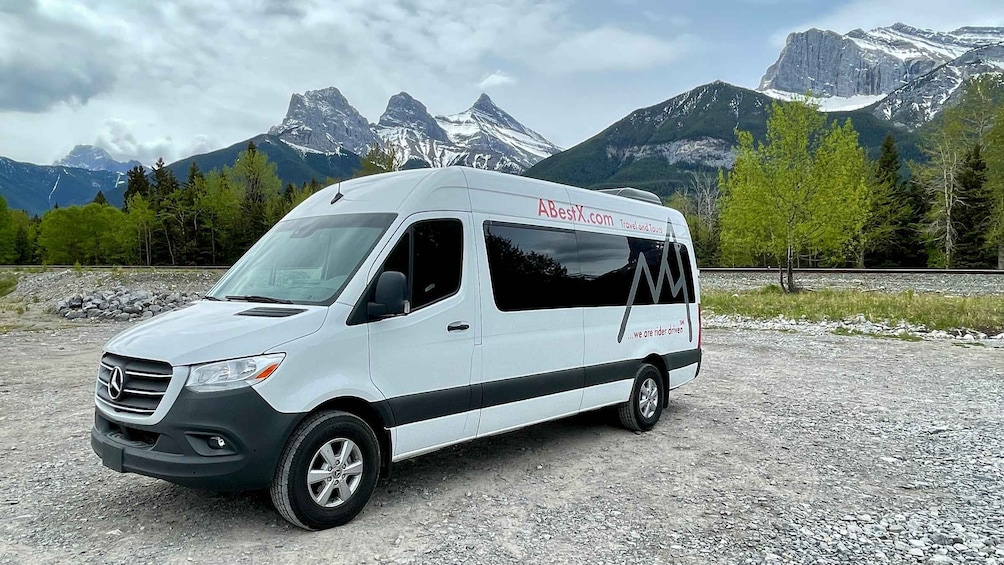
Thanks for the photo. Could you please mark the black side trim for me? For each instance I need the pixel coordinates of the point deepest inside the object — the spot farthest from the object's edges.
(438, 403)
(611, 372)
(681, 359)
(270, 312)
(428, 405)
(532, 386)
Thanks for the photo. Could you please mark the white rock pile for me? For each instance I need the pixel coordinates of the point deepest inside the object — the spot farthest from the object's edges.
(121, 304)
(856, 325)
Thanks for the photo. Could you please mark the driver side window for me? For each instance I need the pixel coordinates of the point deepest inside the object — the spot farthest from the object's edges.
(430, 254)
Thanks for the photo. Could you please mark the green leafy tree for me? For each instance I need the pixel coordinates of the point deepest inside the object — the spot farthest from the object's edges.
(143, 221)
(801, 192)
(92, 234)
(256, 176)
(99, 198)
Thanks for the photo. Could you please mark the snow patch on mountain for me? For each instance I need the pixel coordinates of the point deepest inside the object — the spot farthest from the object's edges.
(830, 104)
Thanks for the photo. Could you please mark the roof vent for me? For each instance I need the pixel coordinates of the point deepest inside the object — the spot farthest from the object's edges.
(634, 194)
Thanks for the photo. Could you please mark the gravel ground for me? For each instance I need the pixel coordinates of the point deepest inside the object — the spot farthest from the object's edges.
(789, 447)
(964, 285)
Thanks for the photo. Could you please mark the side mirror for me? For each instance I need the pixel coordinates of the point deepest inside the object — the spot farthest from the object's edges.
(391, 297)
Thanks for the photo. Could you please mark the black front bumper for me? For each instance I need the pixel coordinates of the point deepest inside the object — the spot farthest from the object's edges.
(177, 449)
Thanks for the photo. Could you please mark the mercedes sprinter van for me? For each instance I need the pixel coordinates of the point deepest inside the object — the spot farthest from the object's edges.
(393, 315)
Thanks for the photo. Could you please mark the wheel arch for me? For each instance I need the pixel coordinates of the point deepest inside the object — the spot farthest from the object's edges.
(659, 363)
(372, 414)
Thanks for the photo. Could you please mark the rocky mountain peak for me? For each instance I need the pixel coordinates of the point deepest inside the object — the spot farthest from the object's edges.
(485, 104)
(868, 63)
(403, 111)
(94, 159)
(324, 120)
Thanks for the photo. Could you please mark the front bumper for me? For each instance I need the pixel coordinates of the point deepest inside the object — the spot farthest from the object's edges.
(177, 449)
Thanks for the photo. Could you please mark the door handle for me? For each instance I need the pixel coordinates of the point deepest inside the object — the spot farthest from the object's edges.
(458, 327)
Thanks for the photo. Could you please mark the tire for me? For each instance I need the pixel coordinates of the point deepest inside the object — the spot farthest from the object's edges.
(643, 409)
(340, 454)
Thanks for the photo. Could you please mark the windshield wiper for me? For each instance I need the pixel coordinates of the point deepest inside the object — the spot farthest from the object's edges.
(256, 298)
(213, 298)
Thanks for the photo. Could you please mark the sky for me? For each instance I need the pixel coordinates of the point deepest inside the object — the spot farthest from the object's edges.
(173, 78)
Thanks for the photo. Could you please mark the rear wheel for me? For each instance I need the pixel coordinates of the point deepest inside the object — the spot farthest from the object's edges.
(327, 471)
(643, 409)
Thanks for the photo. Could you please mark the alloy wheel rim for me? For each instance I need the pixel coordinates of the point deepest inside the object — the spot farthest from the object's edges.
(335, 471)
(648, 399)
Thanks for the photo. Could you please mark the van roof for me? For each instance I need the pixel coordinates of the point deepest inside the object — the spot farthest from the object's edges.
(449, 188)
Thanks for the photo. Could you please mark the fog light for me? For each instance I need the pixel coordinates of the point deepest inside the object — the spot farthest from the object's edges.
(216, 442)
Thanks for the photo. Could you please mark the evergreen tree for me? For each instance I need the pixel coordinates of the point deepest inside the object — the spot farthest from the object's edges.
(99, 198)
(973, 220)
(897, 211)
(137, 183)
(994, 154)
(7, 232)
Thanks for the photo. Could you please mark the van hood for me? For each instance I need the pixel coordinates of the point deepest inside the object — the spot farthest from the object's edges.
(212, 331)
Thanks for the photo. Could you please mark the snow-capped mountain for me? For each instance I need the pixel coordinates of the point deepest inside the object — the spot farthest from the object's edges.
(916, 103)
(323, 120)
(37, 188)
(94, 159)
(484, 136)
(868, 63)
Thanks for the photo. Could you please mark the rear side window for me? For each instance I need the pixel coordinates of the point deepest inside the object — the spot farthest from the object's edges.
(609, 263)
(531, 268)
(534, 268)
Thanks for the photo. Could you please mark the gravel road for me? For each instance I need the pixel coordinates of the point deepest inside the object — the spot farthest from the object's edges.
(788, 448)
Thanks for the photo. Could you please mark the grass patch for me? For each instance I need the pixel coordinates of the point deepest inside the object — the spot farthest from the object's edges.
(7, 284)
(936, 312)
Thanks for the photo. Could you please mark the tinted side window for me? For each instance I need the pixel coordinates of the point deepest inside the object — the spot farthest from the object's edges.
(437, 262)
(532, 268)
(609, 264)
(675, 273)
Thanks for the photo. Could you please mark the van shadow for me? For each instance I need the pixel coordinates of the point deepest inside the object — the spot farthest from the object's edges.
(181, 510)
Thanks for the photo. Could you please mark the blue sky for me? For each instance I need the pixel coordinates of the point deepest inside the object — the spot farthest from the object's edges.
(173, 78)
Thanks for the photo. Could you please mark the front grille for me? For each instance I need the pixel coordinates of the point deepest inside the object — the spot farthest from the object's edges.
(143, 384)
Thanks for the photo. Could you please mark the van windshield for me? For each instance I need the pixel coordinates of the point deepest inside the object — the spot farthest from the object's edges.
(303, 261)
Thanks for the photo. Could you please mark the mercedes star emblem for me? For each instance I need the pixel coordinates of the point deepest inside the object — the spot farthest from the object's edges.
(116, 383)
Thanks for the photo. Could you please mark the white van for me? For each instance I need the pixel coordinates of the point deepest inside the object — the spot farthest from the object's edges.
(393, 315)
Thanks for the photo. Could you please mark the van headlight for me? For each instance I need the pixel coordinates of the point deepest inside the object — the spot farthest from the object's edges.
(235, 373)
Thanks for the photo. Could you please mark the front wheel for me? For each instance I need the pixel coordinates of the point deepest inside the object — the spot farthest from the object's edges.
(643, 409)
(327, 471)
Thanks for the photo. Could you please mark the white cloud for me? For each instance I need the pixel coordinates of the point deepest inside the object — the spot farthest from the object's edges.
(118, 137)
(148, 79)
(613, 49)
(496, 79)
